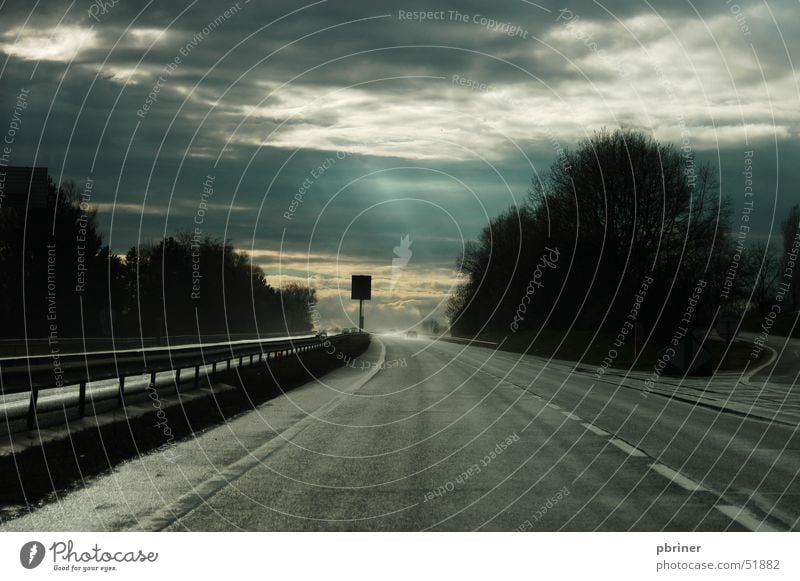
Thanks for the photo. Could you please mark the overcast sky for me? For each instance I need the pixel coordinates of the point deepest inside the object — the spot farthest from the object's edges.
(381, 123)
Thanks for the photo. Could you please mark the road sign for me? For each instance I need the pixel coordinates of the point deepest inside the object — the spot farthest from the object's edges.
(361, 287)
(688, 357)
(361, 290)
(727, 325)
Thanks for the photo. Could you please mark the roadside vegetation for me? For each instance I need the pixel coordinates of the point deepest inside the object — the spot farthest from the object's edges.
(590, 351)
(622, 236)
(61, 280)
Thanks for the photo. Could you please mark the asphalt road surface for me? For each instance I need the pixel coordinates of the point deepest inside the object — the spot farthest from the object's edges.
(424, 435)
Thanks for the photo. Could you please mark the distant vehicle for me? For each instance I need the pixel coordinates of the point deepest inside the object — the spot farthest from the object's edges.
(411, 334)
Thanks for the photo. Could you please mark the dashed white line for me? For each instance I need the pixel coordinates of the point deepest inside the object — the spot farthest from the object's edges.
(745, 518)
(627, 448)
(676, 477)
(595, 430)
(572, 416)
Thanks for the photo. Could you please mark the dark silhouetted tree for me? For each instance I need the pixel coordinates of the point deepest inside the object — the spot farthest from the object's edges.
(758, 276)
(183, 285)
(59, 280)
(791, 242)
(619, 208)
(55, 269)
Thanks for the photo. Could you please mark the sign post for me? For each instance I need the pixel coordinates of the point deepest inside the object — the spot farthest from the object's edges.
(361, 290)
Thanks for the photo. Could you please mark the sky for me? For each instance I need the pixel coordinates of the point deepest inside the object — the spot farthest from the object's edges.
(338, 137)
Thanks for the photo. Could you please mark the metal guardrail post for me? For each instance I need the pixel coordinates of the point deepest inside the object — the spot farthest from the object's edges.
(32, 408)
(82, 399)
(128, 360)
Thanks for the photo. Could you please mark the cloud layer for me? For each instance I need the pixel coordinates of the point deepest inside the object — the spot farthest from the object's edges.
(368, 121)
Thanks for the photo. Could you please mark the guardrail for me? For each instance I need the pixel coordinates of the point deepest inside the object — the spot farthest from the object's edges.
(31, 374)
(42, 345)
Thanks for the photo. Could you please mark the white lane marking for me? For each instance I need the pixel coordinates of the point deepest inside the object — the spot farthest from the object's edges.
(595, 430)
(676, 477)
(209, 488)
(627, 448)
(554, 406)
(746, 379)
(572, 416)
(746, 518)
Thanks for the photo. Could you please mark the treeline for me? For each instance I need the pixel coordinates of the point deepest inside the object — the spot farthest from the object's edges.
(60, 279)
(772, 270)
(621, 230)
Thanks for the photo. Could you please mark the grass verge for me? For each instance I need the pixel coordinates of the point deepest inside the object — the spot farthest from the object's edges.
(591, 351)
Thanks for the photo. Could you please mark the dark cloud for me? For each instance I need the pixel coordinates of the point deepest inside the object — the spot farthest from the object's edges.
(260, 106)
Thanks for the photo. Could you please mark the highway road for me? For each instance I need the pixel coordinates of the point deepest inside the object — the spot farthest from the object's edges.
(431, 435)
